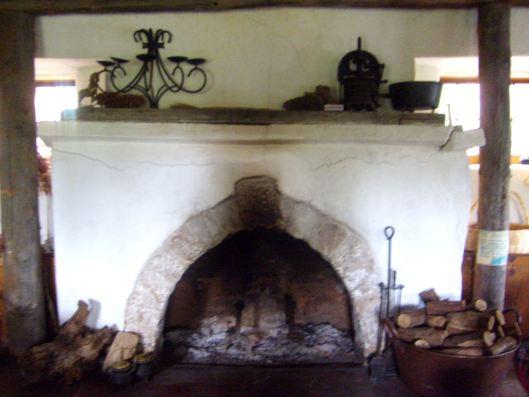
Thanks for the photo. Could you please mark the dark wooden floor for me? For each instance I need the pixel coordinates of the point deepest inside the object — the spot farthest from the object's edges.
(200, 381)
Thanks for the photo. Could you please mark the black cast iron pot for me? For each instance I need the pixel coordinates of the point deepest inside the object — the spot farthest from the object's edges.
(408, 96)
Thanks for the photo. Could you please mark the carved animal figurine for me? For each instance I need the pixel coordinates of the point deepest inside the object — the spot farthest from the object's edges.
(91, 90)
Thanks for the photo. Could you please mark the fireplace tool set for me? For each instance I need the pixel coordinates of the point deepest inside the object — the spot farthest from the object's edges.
(382, 364)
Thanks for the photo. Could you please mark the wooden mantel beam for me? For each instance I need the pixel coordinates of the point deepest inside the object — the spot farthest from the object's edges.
(495, 156)
(23, 289)
(97, 6)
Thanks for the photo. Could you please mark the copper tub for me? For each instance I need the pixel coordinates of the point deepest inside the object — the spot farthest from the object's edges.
(432, 374)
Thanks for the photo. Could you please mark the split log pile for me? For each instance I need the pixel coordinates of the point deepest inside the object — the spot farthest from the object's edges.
(75, 349)
(455, 327)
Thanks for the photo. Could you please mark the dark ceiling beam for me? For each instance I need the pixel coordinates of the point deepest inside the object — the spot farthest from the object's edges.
(49, 7)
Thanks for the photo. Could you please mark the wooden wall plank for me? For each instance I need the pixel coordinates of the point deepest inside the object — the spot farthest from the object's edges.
(23, 291)
(98, 6)
(495, 156)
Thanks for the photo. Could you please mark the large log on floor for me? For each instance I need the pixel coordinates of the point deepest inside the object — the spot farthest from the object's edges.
(495, 156)
(23, 286)
(75, 349)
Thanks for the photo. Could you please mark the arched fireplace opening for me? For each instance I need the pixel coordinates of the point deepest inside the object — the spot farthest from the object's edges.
(260, 297)
(257, 204)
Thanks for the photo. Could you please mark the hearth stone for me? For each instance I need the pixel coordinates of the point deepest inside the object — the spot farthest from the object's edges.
(307, 344)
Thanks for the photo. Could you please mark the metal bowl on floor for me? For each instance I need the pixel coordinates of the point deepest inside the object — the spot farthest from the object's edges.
(433, 374)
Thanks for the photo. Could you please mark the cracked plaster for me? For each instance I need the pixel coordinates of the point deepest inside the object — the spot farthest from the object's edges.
(120, 189)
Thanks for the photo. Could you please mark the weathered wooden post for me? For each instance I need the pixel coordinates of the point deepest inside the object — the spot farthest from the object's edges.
(495, 157)
(18, 180)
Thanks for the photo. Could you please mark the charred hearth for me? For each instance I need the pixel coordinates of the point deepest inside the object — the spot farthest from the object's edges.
(261, 297)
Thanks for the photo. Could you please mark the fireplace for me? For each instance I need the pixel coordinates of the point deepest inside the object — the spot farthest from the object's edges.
(265, 307)
(260, 297)
(146, 215)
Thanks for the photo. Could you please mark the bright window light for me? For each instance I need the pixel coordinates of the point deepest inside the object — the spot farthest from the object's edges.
(460, 103)
(50, 101)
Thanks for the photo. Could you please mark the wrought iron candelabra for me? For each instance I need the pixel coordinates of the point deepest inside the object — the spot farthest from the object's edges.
(154, 79)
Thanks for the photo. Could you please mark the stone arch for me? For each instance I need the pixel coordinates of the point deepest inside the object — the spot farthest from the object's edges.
(256, 202)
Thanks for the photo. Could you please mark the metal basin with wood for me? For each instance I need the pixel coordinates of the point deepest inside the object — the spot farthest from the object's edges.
(433, 374)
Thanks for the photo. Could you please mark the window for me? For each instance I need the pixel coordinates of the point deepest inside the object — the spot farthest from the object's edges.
(460, 102)
(52, 97)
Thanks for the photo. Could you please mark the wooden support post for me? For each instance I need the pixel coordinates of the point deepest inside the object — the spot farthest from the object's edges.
(18, 180)
(494, 173)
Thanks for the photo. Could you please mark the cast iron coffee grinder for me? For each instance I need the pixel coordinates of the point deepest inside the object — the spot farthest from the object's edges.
(360, 76)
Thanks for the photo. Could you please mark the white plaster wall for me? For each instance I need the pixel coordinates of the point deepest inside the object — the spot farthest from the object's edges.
(260, 58)
(116, 201)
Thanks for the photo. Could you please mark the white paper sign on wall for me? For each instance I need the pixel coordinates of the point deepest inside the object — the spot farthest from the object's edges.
(493, 247)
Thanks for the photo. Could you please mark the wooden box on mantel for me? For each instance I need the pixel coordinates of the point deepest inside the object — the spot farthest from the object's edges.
(516, 295)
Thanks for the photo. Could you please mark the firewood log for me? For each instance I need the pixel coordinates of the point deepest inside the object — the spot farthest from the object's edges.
(490, 323)
(75, 349)
(434, 337)
(474, 339)
(429, 295)
(422, 344)
(444, 307)
(471, 351)
(464, 322)
(472, 343)
(469, 317)
(436, 321)
(124, 347)
(91, 346)
(455, 329)
(516, 330)
(489, 338)
(76, 324)
(480, 305)
(411, 319)
(503, 345)
(500, 318)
